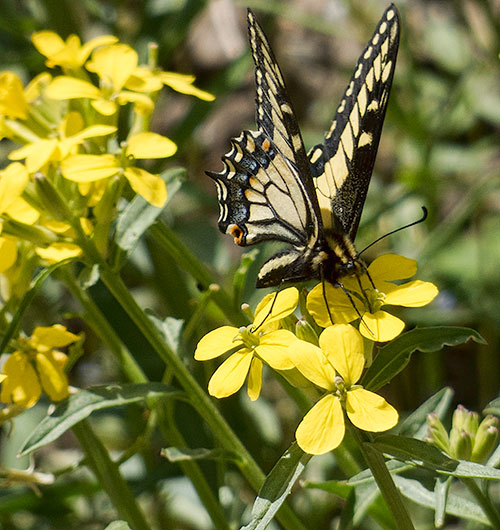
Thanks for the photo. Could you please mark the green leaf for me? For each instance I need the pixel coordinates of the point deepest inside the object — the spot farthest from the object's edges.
(493, 407)
(170, 328)
(415, 425)
(79, 406)
(430, 457)
(138, 216)
(456, 505)
(441, 492)
(183, 454)
(393, 357)
(277, 486)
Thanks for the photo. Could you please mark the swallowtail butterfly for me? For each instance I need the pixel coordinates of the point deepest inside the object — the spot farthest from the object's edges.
(271, 189)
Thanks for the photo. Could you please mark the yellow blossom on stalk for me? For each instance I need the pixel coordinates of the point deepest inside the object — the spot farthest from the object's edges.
(336, 366)
(8, 252)
(90, 168)
(70, 134)
(13, 102)
(260, 341)
(368, 299)
(37, 366)
(69, 54)
(13, 180)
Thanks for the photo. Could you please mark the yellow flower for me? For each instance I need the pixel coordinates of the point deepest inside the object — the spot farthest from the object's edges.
(70, 134)
(145, 80)
(367, 298)
(91, 168)
(260, 341)
(340, 352)
(12, 99)
(70, 54)
(8, 252)
(13, 180)
(37, 365)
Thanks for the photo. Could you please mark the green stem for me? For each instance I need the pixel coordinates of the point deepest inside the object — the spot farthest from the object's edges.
(484, 501)
(108, 474)
(187, 261)
(383, 478)
(135, 374)
(198, 398)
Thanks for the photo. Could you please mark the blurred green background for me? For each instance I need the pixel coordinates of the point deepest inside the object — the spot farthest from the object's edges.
(439, 148)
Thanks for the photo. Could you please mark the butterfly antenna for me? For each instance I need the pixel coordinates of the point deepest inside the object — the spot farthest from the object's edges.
(418, 221)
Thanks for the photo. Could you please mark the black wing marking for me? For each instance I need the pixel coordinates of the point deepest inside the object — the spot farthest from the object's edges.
(266, 189)
(260, 194)
(342, 167)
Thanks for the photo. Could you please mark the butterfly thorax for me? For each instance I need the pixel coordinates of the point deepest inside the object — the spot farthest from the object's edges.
(340, 258)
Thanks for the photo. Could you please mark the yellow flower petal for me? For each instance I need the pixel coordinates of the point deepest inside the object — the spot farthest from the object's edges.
(104, 107)
(12, 100)
(8, 253)
(380, 326)
(53, 379)
(21, 211)
(343, 345)
(150, 187)
(88, 168)
(150, 145)
(342, 310)
(389, 267)
(184, 84)
(57, 252)
(273, 349)
(143, 80)
(312, 364)
(142, 104)
(283, 304)
(47, 337)
(217, 342)
(94, 43)
(13, 180)
(95, 130)
(369, 411)
(21, 386)
(254, 379)
(322, 428)
(66, 87)
(114, 64)
(412, 294)
(230, 375)
(36, 154)
(47, 43)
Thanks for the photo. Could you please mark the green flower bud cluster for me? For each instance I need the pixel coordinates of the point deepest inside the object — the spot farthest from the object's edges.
(468, 439)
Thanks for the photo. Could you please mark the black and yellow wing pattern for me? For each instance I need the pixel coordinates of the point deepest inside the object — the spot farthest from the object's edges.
(270, 189)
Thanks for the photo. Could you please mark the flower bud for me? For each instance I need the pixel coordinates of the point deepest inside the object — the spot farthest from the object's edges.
(305, 331)
(437, 433)
(486, 439)
(460, 444)
(38, 235)
(51, 199)
(460, 417)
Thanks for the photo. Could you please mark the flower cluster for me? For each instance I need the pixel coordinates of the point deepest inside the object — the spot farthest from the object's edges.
(72, 161)
(37, 365)
(327, 352)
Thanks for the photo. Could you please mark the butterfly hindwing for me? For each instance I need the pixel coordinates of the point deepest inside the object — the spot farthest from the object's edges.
(342, 167)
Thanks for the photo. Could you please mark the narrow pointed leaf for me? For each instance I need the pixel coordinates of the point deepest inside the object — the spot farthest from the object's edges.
(79, 406)
(394, 357)
(277, 486)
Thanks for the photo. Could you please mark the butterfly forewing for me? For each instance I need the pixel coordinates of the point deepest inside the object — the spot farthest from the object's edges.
(342, 167)
(266, 190)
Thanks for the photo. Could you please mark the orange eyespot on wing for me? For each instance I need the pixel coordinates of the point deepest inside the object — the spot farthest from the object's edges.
(236, 232)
